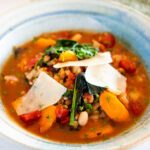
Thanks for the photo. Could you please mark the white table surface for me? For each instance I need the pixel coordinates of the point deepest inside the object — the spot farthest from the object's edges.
(7, 144)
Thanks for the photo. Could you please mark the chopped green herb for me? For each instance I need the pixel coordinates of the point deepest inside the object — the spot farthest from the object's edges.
(126, 132)
(93, 129)
(81, 108)
(19, 75)
(85, 136)
(108, 99)
(88, 106)
(68, 93)
(96, 98)
(17, 51)
(105, 137)
(146, 101)
(34, 39)
(12, 110)
(1, 78)
(48, 117)
(4, 92)
(105, 122)
(135, 120)
(40, 105)
(26, 80)
(46, 135)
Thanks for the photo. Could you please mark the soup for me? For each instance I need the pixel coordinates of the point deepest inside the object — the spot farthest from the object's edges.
(83, 86)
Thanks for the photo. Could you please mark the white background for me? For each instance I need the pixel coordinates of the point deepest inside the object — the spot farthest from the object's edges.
(7, 144)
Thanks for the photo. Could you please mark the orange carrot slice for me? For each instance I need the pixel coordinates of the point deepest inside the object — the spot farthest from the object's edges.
(113, 107)
(48, 117)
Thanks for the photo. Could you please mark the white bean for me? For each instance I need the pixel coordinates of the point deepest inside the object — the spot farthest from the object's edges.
(83, 118)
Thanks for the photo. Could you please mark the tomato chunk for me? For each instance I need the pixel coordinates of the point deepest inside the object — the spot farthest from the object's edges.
(107, 39)
(61, 112)
(128, 66)
(33, 61)
(136, 108)
(64, 35)
(31, 116)
(65, 120)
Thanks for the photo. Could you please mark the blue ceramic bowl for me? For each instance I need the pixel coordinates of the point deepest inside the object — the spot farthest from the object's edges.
(126, 23)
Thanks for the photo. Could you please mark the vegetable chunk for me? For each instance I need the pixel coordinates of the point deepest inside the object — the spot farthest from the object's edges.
(44, 43)
(67, 56)
(27, 118)
(48, 117)
(113, 107)
(101, 131)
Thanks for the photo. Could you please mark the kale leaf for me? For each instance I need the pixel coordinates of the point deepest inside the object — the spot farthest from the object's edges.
(81, 86)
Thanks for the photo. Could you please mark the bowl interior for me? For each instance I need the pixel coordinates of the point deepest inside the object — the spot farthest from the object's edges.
(63, 15)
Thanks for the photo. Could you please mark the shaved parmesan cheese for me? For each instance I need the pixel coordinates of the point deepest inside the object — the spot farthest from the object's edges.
(44, 92)
(106, 76)
(100, 58)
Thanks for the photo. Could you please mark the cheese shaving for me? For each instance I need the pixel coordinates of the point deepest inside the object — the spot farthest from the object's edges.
(106, 76)
(45, 92)
(99, 59)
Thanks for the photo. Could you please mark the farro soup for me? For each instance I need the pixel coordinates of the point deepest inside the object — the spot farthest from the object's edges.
(83, 86)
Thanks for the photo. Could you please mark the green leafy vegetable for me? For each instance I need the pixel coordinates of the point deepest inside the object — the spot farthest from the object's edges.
(94, 90)
(83, 51)
(88, 106)
(80, 86)
(40, 62)
(65, 43)
(69, 93)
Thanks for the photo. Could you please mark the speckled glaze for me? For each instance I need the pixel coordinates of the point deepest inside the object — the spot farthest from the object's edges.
(126, 23)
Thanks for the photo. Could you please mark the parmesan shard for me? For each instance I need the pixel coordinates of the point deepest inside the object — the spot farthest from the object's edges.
(106, 76)
(45, 92)
(99, 59)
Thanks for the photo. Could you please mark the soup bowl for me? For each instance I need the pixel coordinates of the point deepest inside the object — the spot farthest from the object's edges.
(129, 25)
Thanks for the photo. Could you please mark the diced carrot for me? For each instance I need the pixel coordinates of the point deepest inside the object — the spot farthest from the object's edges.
(67, 56)
(48, 117)
(17, 103)
(29, 117)
(102, 131)
(113, 107)
(44, 43)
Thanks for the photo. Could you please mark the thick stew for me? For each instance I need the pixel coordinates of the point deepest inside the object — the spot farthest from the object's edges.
(83, 86)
